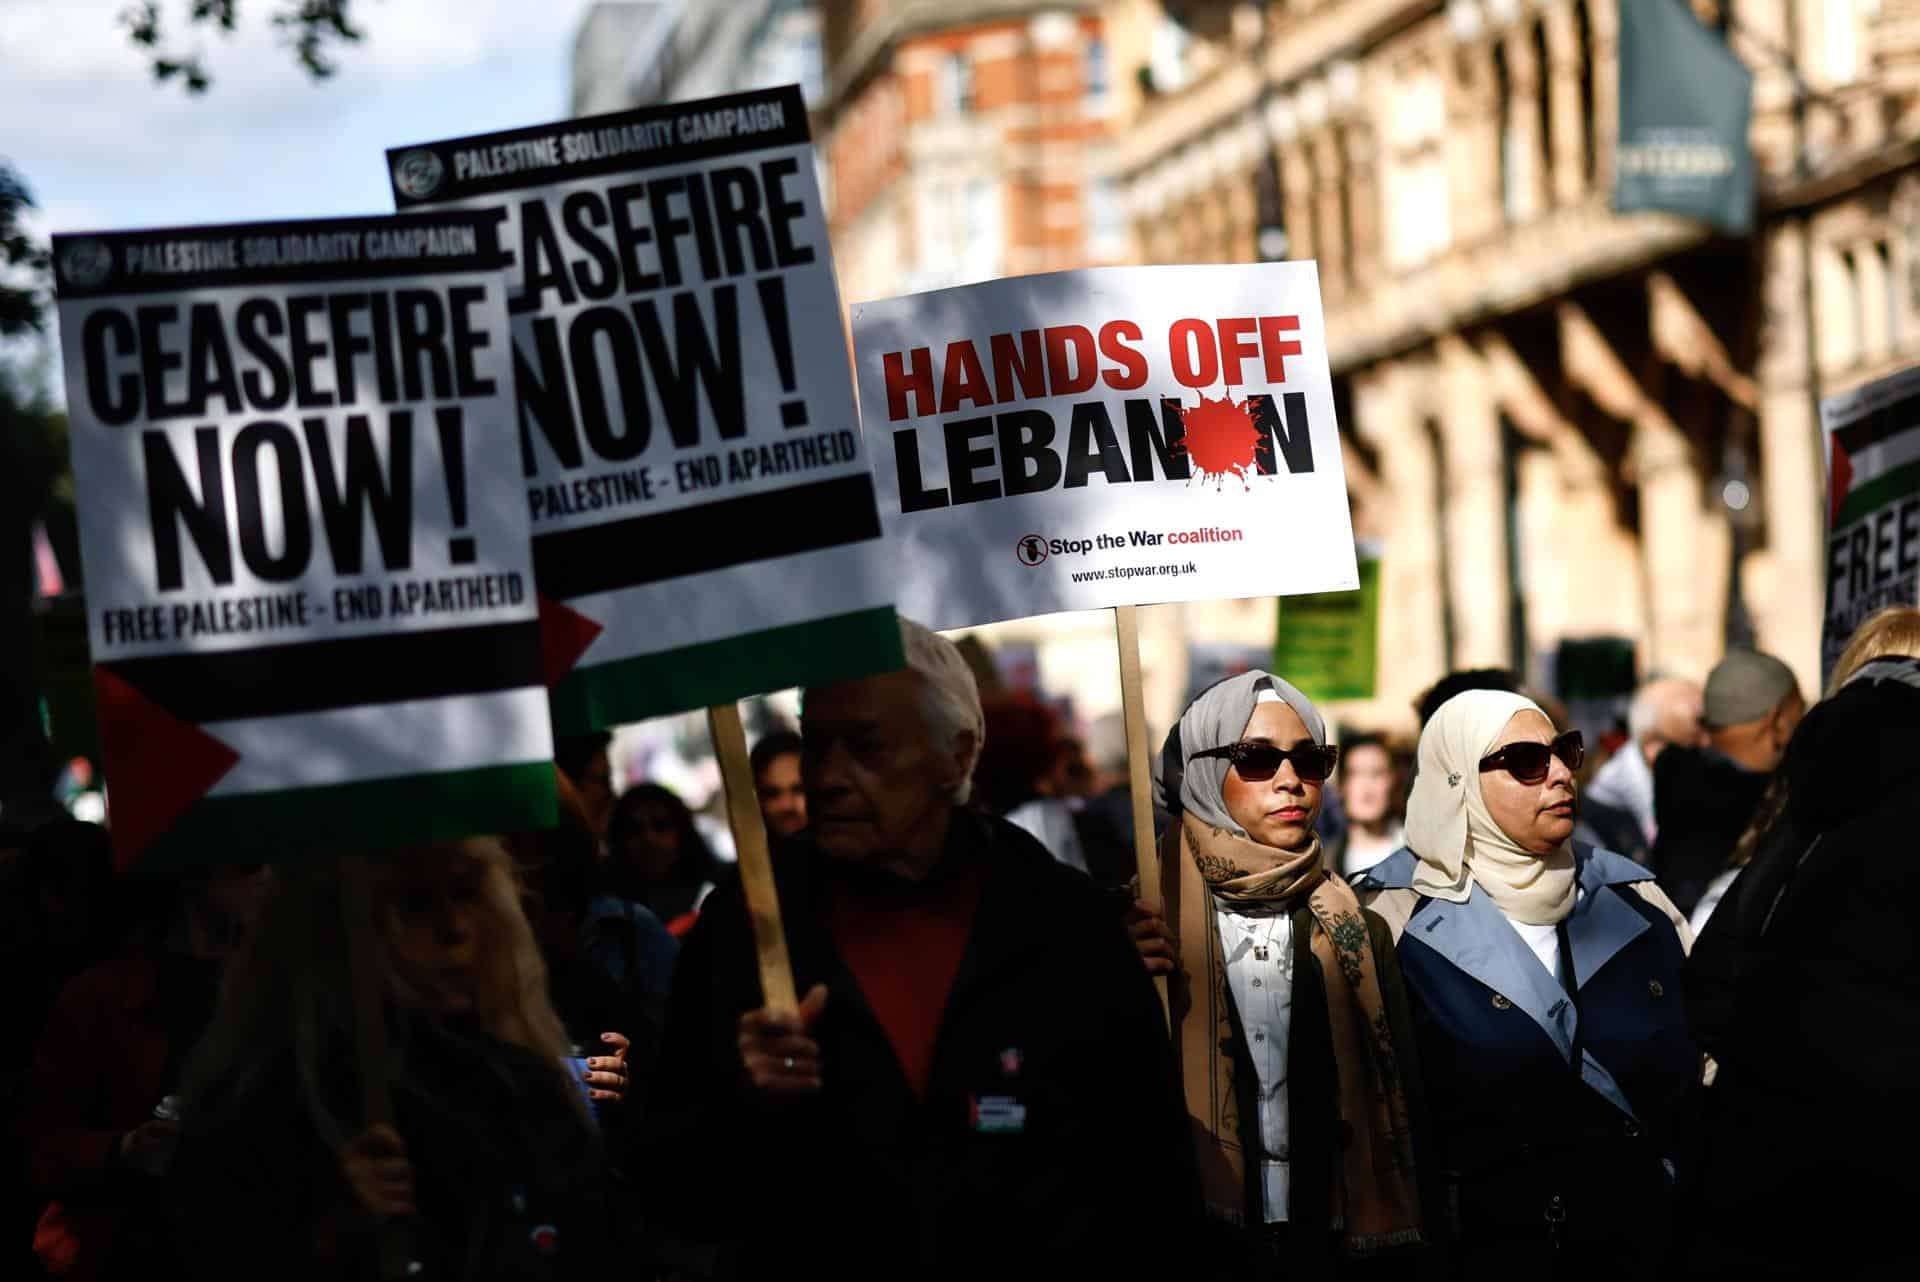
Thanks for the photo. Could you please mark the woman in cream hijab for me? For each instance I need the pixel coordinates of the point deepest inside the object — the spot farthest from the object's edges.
(1544, 981)
(1292, 1026)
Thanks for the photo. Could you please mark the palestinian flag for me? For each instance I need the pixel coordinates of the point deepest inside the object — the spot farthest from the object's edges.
(324, 746)
(800, 567)
(1873, 506)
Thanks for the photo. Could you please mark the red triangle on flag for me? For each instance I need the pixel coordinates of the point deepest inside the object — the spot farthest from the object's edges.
(565, 634)
(156, 765)
(1839, 481)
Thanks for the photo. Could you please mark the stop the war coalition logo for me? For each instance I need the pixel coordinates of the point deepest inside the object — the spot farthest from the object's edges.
(1034, 549)
(1108, 426)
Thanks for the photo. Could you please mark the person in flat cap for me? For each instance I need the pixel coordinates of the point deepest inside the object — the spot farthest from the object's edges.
(1704, 798)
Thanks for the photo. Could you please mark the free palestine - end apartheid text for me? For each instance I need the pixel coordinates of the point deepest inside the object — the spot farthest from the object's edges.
(292, 611)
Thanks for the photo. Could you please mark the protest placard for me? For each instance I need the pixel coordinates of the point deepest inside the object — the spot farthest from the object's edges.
(704, 519)
(1117, 436)
(1873, 530)
(1327, 643)
(309, 591)
(1111, 437)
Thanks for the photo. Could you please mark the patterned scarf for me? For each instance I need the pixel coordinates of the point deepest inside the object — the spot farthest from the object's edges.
(1375, 1199)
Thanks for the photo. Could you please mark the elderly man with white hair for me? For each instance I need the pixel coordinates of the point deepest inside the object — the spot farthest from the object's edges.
(978, 1081)
(1665, 712)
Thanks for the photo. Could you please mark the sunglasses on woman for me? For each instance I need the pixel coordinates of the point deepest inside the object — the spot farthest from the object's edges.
(1259, 762)
(1528, 762)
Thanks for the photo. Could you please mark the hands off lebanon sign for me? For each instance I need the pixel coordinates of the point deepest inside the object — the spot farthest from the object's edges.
(310, 598)
(703, 518)
(1117, 436)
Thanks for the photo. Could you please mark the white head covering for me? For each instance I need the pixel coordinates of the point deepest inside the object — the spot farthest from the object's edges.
(1450, 829)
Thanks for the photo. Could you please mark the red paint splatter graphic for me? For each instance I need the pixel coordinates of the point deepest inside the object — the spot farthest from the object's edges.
(1221, 439)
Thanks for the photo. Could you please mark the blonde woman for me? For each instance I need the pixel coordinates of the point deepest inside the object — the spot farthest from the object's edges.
(492, 1160)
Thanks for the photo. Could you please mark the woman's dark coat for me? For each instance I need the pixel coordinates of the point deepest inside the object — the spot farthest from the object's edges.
(1550, 1170)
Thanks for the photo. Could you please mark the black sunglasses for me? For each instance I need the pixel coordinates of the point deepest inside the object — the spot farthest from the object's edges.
(1259, 762)
(1528, 762)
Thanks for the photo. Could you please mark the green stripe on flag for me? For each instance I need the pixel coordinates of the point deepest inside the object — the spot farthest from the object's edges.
(348, 818)
(700, 676)
(1889, 487)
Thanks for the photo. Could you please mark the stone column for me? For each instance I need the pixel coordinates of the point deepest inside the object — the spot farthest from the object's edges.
(1472, 145)
(1590, 582)
(1387, 415)
(1685, 547)
(1531, 198)
(1242, 220)
(1363, 195)
(1328, 176)
(1475, 518)
(1870, 285)
(1296, 182)
(1603, 19)
(1563, 82)
(1787, 590)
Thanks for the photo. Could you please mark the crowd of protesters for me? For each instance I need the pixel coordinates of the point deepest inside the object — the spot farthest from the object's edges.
(1488, 1008)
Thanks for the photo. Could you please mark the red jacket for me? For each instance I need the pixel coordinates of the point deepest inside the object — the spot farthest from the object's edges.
(98, 1071)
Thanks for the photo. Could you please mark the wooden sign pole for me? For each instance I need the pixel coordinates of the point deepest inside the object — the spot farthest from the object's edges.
(756, 864)
(1146, 850)
(370, 1038)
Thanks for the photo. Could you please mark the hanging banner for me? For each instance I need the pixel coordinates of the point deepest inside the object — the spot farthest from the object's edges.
(1328, 643)
(1116, 436)
(309, 595)
(703, 517)
(1685, 102)
(1873, 530)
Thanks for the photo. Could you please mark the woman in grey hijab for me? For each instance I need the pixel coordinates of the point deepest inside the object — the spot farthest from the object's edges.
(1295, 1046)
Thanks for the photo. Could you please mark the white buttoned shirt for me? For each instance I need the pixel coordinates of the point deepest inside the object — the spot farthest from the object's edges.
(1258, 948)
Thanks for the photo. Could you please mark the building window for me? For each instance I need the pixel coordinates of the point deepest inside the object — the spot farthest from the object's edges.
(956, 85)
(1543, 77)
(1842, 40)
(1512, 161)
(980, 231)
(1415, 197)
(1854, 307)
(1890, 290)
(1583, 43)
(1098, 76)
(1167, 57)
(1106, 216)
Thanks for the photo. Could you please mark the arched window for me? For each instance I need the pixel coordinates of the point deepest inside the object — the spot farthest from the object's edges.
(956, 85)
(1543, 95)
(1583, 43)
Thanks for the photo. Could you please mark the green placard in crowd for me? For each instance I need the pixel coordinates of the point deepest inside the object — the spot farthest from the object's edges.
(1327, 643)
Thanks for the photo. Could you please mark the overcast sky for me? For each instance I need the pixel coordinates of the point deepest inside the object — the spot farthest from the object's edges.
(102, 146)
